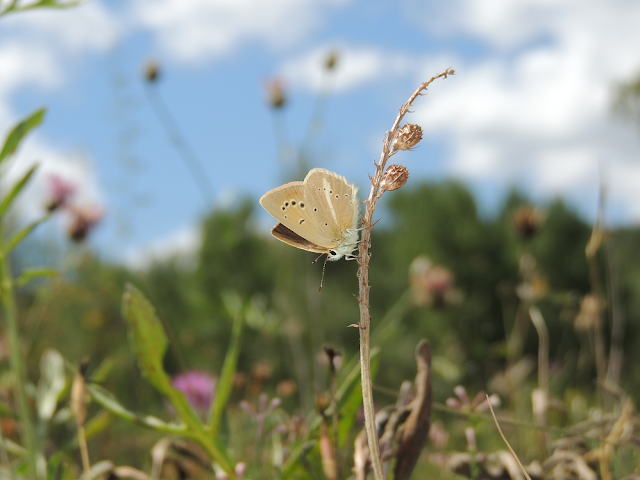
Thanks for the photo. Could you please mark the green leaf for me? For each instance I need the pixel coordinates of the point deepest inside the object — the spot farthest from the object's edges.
(51, 384)
(232, 302)
(106, 399)
(19, 131)
(57, 468)
(292, 464)
(147, 337)
(223, 389)
(17, 188)
(30, 273)
(20, 235)
(149, 342)
(348, 413)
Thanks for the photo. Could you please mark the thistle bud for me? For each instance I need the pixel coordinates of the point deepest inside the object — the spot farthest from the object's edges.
(331, 60)
(407, 137)
(151, 72)
(527, 221)
(395, 177)
(78, 393)
(275, 94)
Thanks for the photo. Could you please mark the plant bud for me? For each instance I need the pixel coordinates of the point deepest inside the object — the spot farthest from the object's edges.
(395, 177)
(331, 60)
(152, 72)
(275, 94)
(407, 137)
(527, 221)
(78, 393)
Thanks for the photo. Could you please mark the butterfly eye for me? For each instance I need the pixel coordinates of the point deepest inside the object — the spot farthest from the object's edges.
(332, 253)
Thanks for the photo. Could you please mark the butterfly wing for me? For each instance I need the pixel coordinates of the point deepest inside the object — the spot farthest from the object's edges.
(288, 205)
(333, 203)
(292, 238)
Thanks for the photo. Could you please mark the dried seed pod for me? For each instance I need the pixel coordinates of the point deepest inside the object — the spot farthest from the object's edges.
(407, 137)
(395, 177)
(331, 60)
(275, 94)
(78, 393)
(527, 221)
(151, 71)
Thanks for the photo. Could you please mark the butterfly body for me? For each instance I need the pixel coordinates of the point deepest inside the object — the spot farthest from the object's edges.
(319, 214)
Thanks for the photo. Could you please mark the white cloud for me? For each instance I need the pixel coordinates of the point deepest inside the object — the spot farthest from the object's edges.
(356, 66)
(181, 245)
(195, 30)
(37, 49)
(541, 115)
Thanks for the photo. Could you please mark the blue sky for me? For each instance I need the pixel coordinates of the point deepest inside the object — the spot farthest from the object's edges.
(530, 104)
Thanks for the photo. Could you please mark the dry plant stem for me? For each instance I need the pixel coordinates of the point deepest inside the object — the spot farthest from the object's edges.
(84, 452)
(616, 353)
(505, 441)
(363, 276)
(543, 368)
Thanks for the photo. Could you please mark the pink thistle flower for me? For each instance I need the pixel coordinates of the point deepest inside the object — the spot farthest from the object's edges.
(84, 220)
(60, 190)
(198, 387)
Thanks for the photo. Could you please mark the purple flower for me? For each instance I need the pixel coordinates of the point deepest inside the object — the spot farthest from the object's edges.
(198, 387)
(84, 220)
(60, 190)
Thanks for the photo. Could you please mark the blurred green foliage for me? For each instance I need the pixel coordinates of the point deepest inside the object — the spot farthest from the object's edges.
(79, 313)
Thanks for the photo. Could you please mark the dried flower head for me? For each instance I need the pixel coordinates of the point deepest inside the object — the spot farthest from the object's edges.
(78, 393)
(480, 403)
(84, 220)
(60, 191)
(407, 137)
(589, 316)
(331, 60)
(275, 93)
(330, 357)
(262, 371)
(286, 387)
(395, 177)
(198, 387)
(527, 221)
(432, 285)
(151, 71)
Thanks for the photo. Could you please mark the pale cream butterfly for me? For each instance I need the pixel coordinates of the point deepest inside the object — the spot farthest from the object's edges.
(319, 214)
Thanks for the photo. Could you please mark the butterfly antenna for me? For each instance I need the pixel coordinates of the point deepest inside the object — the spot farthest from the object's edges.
(322, 278)
(316, 259)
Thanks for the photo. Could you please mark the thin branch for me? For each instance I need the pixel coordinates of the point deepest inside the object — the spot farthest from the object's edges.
(505, 441)
(363, 276)
(191, 160)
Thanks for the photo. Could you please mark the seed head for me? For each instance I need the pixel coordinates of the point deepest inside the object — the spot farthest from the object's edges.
(407, 137)
(275, 94)
(331, 60)
(527, 221)
(84, 220)
(60, 191)
(395, 177)
(152, 71)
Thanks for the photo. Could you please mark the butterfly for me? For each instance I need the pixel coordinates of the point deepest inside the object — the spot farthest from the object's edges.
(319, 214)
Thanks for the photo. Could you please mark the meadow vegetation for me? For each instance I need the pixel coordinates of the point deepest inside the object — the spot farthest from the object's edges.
(229, 364)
